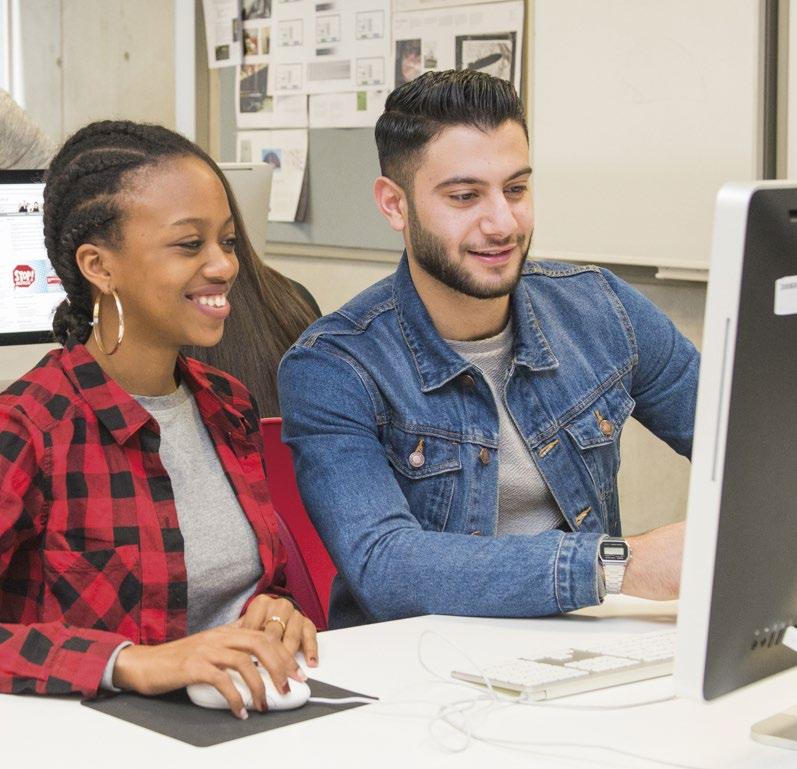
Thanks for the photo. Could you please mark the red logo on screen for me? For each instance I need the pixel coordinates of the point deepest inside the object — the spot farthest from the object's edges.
(24, 276)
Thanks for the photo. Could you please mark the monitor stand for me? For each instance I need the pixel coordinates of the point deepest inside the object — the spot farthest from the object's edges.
(779, 730)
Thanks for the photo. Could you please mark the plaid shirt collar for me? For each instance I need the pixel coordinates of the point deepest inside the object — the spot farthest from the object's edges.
(123, 416)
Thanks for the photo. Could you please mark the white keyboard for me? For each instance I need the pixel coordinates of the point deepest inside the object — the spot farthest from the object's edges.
(591, 666)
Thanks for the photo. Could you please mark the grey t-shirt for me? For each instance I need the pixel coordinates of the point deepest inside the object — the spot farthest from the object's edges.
(525, 505)
(221, 556)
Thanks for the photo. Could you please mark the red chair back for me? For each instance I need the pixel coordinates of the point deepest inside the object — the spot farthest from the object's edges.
(288, 504)
(298, 579)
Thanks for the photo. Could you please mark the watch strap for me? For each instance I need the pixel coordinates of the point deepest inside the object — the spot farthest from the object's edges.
(613, 574)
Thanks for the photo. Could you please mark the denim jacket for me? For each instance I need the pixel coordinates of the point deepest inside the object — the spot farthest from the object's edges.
(370, 385)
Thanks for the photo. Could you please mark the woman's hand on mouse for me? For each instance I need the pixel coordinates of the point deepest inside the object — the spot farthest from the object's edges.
(204, 658)
(281, 621)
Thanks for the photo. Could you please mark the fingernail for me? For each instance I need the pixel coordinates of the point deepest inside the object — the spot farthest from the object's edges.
(243, 714)
(300, 675)
(313, 660)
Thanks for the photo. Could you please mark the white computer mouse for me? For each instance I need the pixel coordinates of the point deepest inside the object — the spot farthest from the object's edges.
(208, 696)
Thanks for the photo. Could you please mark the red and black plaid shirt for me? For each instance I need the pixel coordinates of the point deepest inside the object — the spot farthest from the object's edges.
(91, 552)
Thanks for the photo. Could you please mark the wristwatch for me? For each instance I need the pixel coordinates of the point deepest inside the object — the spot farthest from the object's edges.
(614, 555)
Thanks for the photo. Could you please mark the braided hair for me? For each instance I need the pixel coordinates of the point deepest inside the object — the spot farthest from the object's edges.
(83, 203)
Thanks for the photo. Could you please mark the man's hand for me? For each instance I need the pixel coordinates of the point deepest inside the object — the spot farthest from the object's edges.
(654, 570)
(204, 658)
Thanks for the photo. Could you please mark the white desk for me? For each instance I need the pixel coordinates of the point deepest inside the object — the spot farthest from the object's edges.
(382, 660)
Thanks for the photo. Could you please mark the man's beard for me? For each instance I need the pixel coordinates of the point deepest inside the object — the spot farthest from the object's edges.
(431, 254)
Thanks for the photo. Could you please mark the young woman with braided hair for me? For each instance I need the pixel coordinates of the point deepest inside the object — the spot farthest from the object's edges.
(138, 548)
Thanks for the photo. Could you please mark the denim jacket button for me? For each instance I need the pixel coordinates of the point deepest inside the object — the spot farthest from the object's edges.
(606, 427)
(467, 381)
(417, 459)
(484, 456)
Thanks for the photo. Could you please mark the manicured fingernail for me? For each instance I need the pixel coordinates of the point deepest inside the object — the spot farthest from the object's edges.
(243, 714)
(300, 675)
(313, 660)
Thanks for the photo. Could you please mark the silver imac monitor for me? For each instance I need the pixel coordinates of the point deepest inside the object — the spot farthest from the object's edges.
(251, 186)
(30, 291)
(739, 578)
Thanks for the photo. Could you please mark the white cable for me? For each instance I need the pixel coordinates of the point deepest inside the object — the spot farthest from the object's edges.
(493, 698)
(343, 700)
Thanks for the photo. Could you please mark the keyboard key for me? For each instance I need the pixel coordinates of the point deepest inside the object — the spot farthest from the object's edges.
(603, 663)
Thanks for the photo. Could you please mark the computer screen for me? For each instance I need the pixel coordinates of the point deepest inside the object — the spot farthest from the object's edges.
(30, 290)
(739, 577)
(251, 186)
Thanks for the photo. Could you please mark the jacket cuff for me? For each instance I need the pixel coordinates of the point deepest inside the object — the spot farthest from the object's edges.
(576, 571)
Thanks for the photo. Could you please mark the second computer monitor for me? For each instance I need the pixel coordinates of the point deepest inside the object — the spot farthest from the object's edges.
(251, 186)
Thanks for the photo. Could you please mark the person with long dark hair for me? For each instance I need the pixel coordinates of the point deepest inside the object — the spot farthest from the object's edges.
(138, 546)
(272, 311)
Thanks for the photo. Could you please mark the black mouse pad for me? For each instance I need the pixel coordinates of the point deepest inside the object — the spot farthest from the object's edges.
(176, 716)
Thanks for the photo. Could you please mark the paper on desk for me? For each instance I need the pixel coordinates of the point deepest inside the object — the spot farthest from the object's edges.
(486, 37)
(222, 32)
(287, 152)
(334, 46)
(346, 110)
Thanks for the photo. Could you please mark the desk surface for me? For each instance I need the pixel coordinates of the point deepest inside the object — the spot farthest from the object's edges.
(383, 660)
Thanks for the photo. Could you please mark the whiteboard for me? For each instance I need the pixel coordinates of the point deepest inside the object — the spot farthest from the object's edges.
(642, 110)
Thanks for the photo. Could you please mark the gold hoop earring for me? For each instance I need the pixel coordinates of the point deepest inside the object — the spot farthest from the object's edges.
(96, 323)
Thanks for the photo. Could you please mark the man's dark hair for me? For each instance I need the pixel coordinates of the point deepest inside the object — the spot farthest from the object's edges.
(417, 111)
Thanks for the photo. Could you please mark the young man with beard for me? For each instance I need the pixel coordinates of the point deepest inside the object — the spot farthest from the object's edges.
(455, 427)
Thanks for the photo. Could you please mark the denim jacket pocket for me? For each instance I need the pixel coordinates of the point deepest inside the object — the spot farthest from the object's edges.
(425, 467)
(596, 432)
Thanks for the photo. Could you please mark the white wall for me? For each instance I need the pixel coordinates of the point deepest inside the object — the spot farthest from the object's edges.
(89, 60)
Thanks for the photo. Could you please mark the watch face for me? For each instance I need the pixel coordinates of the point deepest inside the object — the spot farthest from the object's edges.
(613, 550)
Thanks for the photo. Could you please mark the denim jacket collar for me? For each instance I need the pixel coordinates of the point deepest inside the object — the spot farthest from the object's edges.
(435, 361)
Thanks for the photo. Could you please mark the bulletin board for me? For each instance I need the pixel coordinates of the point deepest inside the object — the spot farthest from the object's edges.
(342, 167)
(639, 112)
